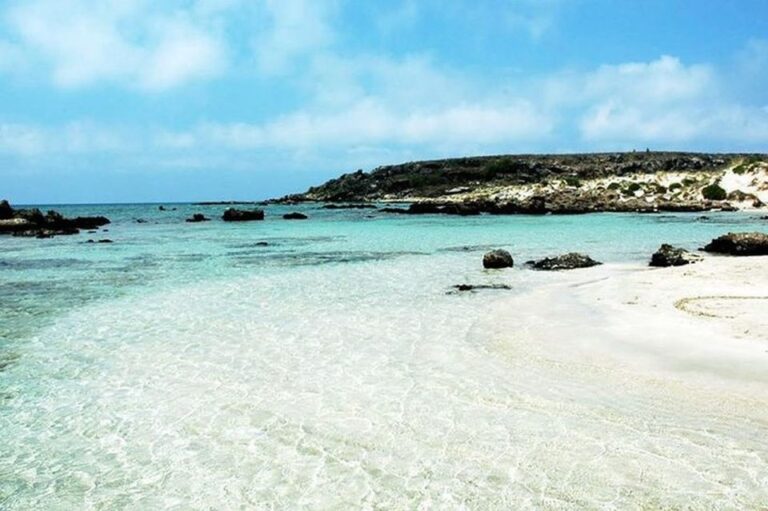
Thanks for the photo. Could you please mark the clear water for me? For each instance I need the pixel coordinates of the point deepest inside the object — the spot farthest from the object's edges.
(185, 366)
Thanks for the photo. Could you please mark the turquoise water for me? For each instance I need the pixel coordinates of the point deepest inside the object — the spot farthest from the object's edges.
(188, 366)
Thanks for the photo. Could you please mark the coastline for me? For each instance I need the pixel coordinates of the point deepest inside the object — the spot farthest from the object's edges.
(703, 321)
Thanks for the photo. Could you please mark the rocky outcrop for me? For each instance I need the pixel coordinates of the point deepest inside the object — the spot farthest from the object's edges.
(242, 215)
(667, 255)
(570, 261)
(295, 216)
(33, 223)
(498, 259)
(740, 244)
(197, 217)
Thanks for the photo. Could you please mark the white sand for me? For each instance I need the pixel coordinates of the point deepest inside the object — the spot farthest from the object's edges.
(705, 321)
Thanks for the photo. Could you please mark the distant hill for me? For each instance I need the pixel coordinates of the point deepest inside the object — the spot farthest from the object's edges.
(569, 183)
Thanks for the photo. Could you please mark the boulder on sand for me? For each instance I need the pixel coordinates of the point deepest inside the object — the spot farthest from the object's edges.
(740, 244)
(667, 255)
(570, 261)
(498, 259)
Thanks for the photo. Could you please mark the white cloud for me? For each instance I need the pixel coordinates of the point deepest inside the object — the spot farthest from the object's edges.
(296, 28)
(76, 138)
(664, 101)
(369, 123)
(84, 42)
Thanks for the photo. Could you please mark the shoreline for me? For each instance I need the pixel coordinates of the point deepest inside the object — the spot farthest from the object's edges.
(697, 322)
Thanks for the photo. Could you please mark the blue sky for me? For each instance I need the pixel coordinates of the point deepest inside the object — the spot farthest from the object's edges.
(138, 100)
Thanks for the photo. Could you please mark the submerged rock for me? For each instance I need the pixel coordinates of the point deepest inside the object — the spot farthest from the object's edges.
(295, 216)
(197, 217)
(570, 261)
(498, 259)
(740, 244)
(242, 215)
(667, 255)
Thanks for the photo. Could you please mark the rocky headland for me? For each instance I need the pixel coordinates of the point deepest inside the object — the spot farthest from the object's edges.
(579, 183)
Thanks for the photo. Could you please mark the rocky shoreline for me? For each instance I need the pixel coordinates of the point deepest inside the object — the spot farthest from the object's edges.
(558, 184)
(33, 223)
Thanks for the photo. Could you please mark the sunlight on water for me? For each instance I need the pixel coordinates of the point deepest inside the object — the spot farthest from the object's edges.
(331, 369)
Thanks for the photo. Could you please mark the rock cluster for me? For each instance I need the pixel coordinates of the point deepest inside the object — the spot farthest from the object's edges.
(197, 217)
(32, 222)
(242, 215)
(569, 261)
(667, 255)
(740, 244)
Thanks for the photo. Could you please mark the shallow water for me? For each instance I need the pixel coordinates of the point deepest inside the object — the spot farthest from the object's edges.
(186, 366)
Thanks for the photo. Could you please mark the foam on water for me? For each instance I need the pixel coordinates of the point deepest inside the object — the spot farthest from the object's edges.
(357, 384)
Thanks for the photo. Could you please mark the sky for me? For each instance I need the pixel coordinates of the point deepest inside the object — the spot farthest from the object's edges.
(183, 100)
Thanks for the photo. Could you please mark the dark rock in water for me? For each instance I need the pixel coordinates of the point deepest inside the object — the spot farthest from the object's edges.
(262, 244)
(241, 215)
(32, 222)
(106, 241)
(140, 221)
(570, 261)
(667, 255)
(161, 208)
(349, 206)
(6, 211)
(295, 216)
(197, 217)
(38, 233)
(475, 287)
(89, 222)
(90, 241)
(740, 244)
(13, 225)
(498, 259)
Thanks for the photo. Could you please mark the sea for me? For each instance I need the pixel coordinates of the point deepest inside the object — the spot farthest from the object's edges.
(330, 363)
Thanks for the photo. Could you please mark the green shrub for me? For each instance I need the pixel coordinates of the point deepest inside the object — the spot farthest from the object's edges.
(614, 186)
(573, 181)
(501, 166)
(631, 189)
(675, 186)
(713, 192)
